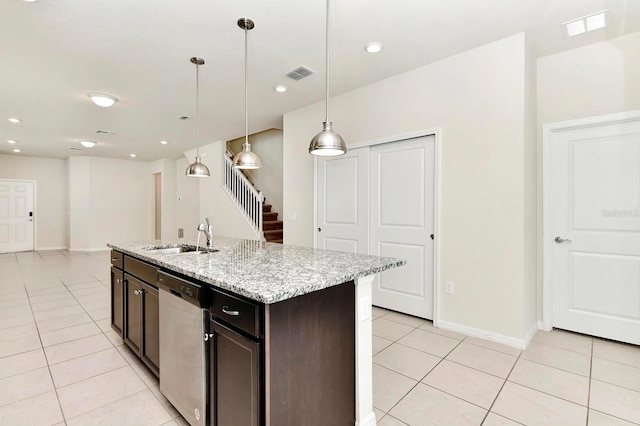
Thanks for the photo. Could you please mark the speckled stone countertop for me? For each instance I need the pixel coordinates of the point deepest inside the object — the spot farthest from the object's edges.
(265, 272)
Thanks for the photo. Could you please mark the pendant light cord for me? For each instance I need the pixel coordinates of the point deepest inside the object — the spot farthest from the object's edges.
(197, 110)
(246, 90)
(328, 44)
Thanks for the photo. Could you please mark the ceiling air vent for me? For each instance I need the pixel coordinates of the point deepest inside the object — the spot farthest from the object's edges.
(184, 117)
(299, 73)
(75, 149)
(105, 132)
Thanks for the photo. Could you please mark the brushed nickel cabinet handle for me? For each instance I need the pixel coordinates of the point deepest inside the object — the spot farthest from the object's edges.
(230, 311)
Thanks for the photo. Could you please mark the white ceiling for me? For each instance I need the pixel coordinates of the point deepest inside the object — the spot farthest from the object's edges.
(54, 52)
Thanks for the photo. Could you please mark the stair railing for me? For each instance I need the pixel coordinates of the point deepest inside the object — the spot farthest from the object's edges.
(248, 200)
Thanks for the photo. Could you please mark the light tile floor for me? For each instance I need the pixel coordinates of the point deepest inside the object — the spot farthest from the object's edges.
(428, 376)
(60, 363)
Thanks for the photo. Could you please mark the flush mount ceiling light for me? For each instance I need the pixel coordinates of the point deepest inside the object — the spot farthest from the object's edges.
(14, 120)
(280, 88)
(373, 47)
(592, 22)
(327, 143)
(197, 169)
(11, 141)
(88, 144)
(104, 101)
(246, 159)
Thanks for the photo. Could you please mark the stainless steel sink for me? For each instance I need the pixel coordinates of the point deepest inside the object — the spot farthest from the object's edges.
(181, 249)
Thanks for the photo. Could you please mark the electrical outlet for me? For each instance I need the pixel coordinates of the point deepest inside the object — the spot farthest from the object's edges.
(448, 287)
(292, 216)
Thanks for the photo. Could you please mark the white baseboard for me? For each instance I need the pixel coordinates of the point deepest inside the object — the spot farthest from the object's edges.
(51, 248)
(489, 335)
(90, 249)
(369, 420)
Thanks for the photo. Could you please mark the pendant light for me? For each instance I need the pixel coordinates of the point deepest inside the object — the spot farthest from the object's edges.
(246, 159)
(327, 143)
(197, 169)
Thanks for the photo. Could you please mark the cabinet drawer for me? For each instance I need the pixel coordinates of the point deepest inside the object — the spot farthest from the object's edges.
(236, 312)
(140, 269)
(117, 259)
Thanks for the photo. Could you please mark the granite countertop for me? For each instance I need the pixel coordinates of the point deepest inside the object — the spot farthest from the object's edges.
(261, 271)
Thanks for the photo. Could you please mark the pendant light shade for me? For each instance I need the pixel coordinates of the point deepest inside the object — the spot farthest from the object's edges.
(246, 159)
(327, 143)
(197, 169)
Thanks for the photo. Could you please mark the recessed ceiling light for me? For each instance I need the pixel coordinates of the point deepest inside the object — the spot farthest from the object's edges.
(373, 47)
(280, 88)
(132, 155)
(16, 150)
(594, 21)
(164, 142)
(11, 141)
(88, 144)
(14, 120)
(30, 1)
(104, 101)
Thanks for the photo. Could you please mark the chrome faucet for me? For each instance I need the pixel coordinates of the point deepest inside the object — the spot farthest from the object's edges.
(208, 232)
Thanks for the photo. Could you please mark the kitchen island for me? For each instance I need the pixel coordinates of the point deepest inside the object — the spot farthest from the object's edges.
(301, 319)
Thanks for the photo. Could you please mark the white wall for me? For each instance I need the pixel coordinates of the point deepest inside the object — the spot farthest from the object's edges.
(268, 146)
(51, 186)
(188, 195)
(168, 200)
(477, 98)
(214, 203)
(601, 78)
(110, 200)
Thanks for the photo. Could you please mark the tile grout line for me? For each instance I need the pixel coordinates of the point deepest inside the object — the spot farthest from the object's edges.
(419, 381)
(44, 353)
(590, 381)
(506, 379)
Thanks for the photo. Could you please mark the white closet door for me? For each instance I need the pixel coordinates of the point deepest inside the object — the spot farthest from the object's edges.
(402, 182)
(342, 202)
(595, 221)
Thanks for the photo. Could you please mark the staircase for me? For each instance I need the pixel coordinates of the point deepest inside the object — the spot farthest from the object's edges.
(239, 186)
(271, 226)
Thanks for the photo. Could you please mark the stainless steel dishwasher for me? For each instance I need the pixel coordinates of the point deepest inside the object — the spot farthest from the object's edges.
(183, 350)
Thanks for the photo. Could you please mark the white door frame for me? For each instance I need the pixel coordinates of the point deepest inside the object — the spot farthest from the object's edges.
(437, 134)
(35, 206)
(547, 237)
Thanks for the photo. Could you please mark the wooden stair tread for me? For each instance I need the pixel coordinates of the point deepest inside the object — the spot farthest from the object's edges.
(272, 231)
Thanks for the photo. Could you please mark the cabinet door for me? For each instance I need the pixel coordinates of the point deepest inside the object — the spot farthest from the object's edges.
(150, 336)
(117, 301)
(235, 398)
(133, 313)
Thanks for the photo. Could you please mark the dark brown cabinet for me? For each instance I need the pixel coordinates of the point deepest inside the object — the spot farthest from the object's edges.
(133, 313)
(142, 321)
(234, 362)
(117, 301)
(151, 336)
(117, 293)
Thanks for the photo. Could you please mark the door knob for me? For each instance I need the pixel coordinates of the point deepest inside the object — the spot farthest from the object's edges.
(561, 240)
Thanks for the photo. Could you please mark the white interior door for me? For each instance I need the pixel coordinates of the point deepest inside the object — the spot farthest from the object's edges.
(342, 197)
(16, 216)
(402, 179)
(595, 222)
